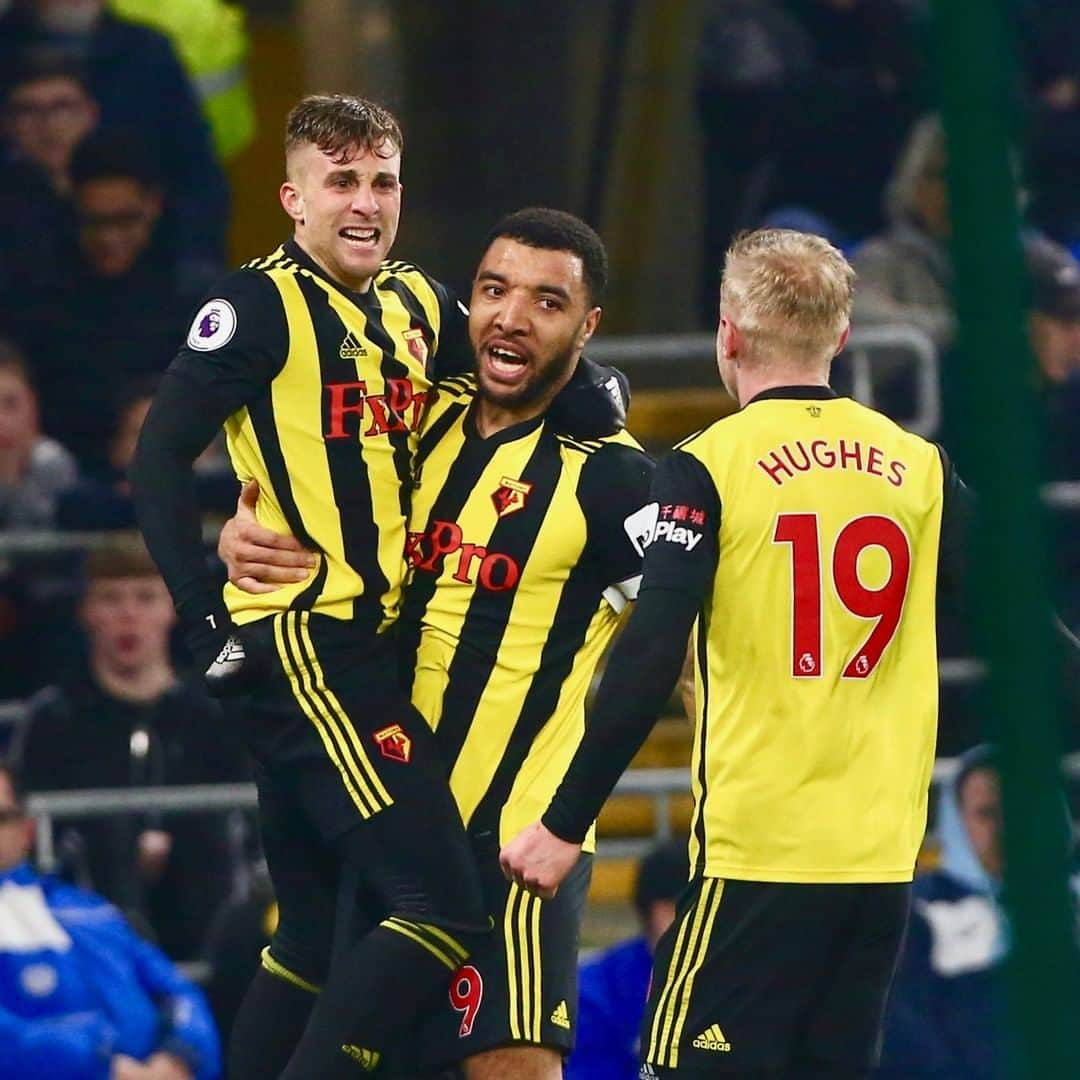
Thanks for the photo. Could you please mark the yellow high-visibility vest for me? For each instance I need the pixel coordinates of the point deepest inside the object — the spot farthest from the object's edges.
(212, 42)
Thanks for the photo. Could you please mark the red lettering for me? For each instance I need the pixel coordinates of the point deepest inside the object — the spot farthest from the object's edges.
(873, 461)
(778, 467)
(419, 402)
(847, 455)
(339, 407)
(443, 538)
(897, 468)
(412, 542)
(499, 572)
(825, 458)
(805, 466)
(468, 553)
(383, 420)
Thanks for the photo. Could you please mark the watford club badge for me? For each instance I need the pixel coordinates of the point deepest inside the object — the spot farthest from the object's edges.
(417, 345)
(394, 743)
(509, 497)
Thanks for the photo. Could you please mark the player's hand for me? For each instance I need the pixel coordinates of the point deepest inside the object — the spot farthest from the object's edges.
(538, 860)
(123, 1067)
(258, 559)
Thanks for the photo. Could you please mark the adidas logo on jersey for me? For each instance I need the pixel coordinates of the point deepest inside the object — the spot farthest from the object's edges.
(351, 347)
(561, 1016)
(368, 1060)
(713, 1039)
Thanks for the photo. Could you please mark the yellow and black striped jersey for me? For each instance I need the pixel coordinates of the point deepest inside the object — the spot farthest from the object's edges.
(520, 564)
(329, 388)
(810, 527)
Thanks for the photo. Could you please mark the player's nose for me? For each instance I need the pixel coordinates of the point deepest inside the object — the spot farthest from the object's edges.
(364, 201)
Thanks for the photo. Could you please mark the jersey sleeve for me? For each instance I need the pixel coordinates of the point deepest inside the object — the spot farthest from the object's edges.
(237, 341)
(614, 491)
(679, 530)
(454, 355)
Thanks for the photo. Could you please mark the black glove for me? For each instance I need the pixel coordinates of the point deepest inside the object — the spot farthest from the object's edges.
(593, 403)
(227, 657)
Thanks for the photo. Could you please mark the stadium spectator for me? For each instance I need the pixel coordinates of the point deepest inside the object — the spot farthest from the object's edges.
(945, 1015)
(81, 995)
(34, 469)
(117, 303)
(615, 983)
(124, 718)
(1049, 46)
(905, 273)
(134, 74)
(47, 110)
(103, 502)
(799, 84)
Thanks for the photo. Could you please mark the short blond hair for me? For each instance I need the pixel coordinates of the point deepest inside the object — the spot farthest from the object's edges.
(789, 293)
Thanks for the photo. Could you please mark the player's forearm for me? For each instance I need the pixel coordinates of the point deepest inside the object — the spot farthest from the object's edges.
(643, 668)
(177, 429)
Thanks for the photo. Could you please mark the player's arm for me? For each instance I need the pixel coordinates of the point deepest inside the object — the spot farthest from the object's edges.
(594, 403)
(680, 535)
(613, 493)
(237, 343)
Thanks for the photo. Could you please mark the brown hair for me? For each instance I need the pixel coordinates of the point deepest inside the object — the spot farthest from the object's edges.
(12, 360)
(789, 291)
(340, 125)
(124, 555)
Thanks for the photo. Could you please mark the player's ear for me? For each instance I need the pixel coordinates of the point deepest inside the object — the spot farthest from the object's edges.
(292, 201)
(592, 321)
(728, 338)
(843, 340)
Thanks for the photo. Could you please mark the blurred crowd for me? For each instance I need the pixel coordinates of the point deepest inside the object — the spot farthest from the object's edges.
(116, 119)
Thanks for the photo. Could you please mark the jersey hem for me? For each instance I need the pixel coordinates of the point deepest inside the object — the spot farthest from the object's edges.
(807, 877)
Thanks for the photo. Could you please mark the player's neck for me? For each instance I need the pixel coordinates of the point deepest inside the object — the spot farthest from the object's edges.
(753, 383)
(491, 417)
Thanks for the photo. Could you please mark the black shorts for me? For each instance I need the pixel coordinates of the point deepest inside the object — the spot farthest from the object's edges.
(520, 984)
(354, 804)
(768, 979)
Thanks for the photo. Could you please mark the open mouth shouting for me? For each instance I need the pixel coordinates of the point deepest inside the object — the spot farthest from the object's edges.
(504, 362)
(361, 238)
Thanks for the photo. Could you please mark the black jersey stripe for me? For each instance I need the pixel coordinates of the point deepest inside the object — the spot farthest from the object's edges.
(462, 477)
(698, 825)
(264, 422)
(393, 368)
(580, 600)
(489, 611)
(430, 439)
(347, 465)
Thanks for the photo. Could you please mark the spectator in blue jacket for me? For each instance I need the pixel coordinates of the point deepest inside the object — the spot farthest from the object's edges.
(82, 997)
(615, 982)
(946, 1014)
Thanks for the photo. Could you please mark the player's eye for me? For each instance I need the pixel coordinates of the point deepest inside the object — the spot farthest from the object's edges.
(549, 303)
(493, 291)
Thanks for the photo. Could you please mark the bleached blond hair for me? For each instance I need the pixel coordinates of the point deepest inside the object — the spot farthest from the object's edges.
(788, 292)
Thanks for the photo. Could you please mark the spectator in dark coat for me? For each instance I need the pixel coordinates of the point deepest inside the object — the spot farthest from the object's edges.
(47, 110)
(141, 87)
(117, 304)
(127, 719)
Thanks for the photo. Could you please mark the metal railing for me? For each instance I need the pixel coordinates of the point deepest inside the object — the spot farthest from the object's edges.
(683, 358)
(661, 785)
